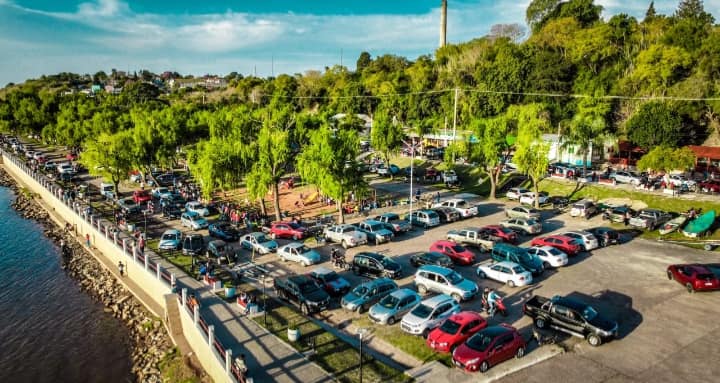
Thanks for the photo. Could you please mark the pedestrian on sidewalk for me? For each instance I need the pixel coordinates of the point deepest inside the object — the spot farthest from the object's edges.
(142, 244)
(121, 268)
(87, 239)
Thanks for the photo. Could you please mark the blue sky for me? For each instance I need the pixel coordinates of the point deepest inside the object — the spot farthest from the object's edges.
(262, 36)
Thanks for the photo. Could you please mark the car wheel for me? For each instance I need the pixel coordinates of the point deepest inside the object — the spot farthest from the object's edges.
(422, 289)
(540, 323)
(391, 321)
(457, 297)
(305, 309)
(520, 352)
(425, 333)
(484, 366)
(481, 275)
(511, 283)
(669, 274)
(546, 265)
(377, 241)
(281, 294)
(594, 340)
(689, 288)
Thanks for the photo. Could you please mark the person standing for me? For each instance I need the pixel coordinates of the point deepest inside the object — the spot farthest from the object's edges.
(87, 239)
(121, 268)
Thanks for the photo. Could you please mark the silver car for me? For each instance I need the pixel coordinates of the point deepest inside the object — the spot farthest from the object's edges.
(522, 225)
(393, 306)
(445, 281)
(429, 314)
(587, 239)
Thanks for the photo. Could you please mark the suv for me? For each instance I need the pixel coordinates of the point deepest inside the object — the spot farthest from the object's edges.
(584, 208)
(367, 294)
(445, 281)
(193, 244)
(375, 265)
(429, 314)
(303, 291)
(505, 252)
(424, 218)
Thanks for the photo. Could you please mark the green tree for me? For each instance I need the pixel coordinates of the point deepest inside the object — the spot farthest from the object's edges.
(328, 162)
(108, 156)
(588, 126)
(491, 147)
(531, 152)
(655, 124)
(386, 134)
(663, 158)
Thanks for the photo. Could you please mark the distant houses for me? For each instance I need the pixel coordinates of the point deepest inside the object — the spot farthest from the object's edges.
(207, 82)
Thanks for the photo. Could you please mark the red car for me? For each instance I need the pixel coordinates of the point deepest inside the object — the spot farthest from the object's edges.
(710, 186)
(455, 330)
(563, 243)
(71, 156)
(457, 253)
(507, 235)
(489, 347)
(696, 277)
(287, 230)
(141, 196)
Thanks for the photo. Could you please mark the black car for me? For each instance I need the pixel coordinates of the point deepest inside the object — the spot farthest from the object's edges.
(605, 236)
(167, 179)
(175, 200)
(375, 265)
(171, 212)
(224, 231)
(193, 244)
(431, 258)
(447, 214)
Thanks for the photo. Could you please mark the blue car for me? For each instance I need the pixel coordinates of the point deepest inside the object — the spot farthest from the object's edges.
(170, 240)
(224, 231)
(258, 242)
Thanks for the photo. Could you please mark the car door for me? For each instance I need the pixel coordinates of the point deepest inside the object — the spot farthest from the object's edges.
(441, 312)
(441, 284)
(495, 272)
(294, 255)
(506, 350)
(375, 268)
(574, 321)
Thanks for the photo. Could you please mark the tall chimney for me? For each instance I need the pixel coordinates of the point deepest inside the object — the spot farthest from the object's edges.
(443, 23)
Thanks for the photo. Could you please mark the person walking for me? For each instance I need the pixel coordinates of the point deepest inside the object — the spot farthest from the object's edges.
(87, 239)
(121, 268)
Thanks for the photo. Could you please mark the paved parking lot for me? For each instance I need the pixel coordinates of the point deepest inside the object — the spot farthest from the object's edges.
(666, 333)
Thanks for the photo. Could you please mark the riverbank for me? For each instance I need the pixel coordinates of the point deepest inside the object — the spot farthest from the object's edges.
(150, 345)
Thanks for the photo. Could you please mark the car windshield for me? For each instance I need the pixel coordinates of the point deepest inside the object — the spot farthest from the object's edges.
(389, 302)
(308, 287)
(360, 290)
(261, 238)
(433, 256)
(479, 342)
(458, 249)
(518, 269)
(169, 236)
(387, 261)
(450, 327)
(303, 249)
(589, 313)
(422, 311)
(454, 278)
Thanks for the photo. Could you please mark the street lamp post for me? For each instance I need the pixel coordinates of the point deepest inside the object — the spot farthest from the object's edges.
(361, 332)
(145, 215)
(412, 166)
(264, 301)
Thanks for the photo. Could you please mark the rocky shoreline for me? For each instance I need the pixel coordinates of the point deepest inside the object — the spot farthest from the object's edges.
(149, 340)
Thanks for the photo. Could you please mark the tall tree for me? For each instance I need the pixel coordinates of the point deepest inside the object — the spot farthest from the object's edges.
(655, 124)
(531, 152)
(588, 127)
(386, 134)
(663, 158)
(490, 147)
(108, 156)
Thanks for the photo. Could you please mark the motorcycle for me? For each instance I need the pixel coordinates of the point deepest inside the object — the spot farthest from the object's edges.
(338, 261)
(499, 307)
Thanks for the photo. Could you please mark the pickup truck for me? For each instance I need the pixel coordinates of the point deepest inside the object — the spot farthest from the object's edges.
(649, 219)
(393, 221)
(302, 291)
(472, 236)
(375, 230)
(571, 316)
(345, 235)
(463, 207)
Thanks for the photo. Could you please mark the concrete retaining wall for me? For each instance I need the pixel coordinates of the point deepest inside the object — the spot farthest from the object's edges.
(117, 247)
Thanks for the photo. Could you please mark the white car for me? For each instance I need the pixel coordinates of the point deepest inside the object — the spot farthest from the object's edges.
(529, 198)
(506, 272)
(259, 242)
(587, 239)
(298, 252)
(626, 177)
(429, 314)
(65, 167)
(461, 206)
(514, 193)
(550, 256)
(679, 180)
(197, 207)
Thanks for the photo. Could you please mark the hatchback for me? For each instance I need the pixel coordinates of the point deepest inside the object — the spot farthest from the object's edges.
(431, 258)
(367, 294)
(584, 209)
(393, 306)
(489, 347)
(457, 253)
(550, 256)
(586, 239)
(429, 314)
(455, 330)
(696, 277)
(568, 245)
(445, 281)
(170, 240)
(505, 272)
(193, 220)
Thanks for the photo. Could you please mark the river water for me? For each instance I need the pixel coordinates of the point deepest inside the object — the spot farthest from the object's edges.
(50, 331)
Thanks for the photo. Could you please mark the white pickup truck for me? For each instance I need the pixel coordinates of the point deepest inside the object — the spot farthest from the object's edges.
(463, 207)
(345, 235)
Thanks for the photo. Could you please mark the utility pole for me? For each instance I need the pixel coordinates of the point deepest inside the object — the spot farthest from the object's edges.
(272, 66)
(443, 23)
(341, 57)
(455, 114)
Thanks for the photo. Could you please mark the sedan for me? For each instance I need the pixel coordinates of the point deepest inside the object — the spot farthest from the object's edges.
(515, 193)
(197, 207)
(588, 240)
(529, 198)
(141, 196)
(522, 212)
(128, 206)
(170, 240)
(522, 225)
(506, 272)
(550, 256)
(489, 347)
(333, 283)
(193, 220)
(504, 234)
(457, 253)
(566, 244)
(224, 231)
(710, 186)
(455, 331)
(431, 258)
(626, 177)
(298, 252)
(393, 306)
(696, 277)
(257, 241)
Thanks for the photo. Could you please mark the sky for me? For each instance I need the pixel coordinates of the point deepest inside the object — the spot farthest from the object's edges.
(261, 37)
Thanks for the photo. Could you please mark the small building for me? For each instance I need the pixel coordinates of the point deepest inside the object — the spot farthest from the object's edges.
(707, 158)
(571, 154)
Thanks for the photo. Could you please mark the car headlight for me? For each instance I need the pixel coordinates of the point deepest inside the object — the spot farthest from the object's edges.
(351, 306)
(472, 361)
(443, 344)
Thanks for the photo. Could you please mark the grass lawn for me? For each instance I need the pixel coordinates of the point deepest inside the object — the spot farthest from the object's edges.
(175, 368)
(331, 353)
(177, 258)
(411, 344)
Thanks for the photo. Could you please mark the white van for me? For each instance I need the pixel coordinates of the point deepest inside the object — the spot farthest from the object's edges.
(107, 190)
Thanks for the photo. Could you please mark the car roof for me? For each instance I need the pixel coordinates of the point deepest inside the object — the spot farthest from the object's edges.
(505, 263)
(171, 231)
(569, 303)
(578, 232)
(217, 242)
(437, 299)
(560, 236)
(193, 236)
(404, 292)
(465, 317)
(435, 269)
(546, 248)
(295, 244)
(254, 233)
(443, 242)
(698, 268)
(372, 222)
(495, 331)
(371, 255)
(299, 279)
(322, 270)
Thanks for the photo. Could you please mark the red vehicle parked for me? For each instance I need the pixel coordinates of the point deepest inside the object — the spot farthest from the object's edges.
(489, 347)
(696, 277)
(458, 253)
(455, 330)
(141, 196)
(563, 243)
(287, 230)
(504, 233)
(710, 186)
